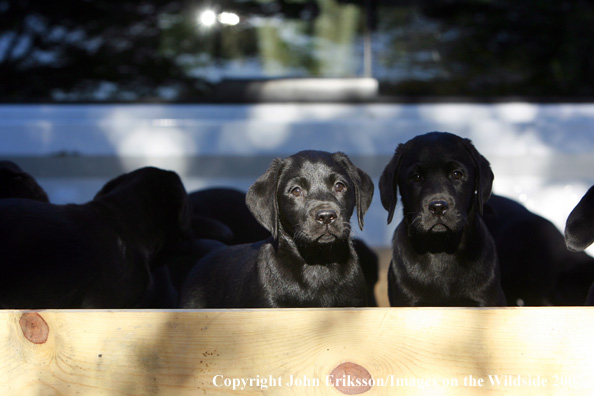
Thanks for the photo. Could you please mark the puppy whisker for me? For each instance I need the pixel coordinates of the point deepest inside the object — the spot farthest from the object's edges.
(412, 223)
(300, 236)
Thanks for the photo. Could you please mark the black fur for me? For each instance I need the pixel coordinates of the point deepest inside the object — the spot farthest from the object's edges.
(443, 254)
(305, 201)
(579, 235)
(579, 228)
(15, 183)
(215, 210)
(222, 214)
(95, 255)
(536, 268)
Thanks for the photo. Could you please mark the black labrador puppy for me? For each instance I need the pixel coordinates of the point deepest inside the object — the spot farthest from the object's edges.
(305, 201)
(16, 183)
(579, 235)
(95, 255)
(443, 254)
(536, 268)
(214, 208)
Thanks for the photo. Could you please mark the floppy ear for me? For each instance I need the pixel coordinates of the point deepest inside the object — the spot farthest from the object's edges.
(261, 198)
(579, 228)
(484, 178)
(388, 185)
(363, 185)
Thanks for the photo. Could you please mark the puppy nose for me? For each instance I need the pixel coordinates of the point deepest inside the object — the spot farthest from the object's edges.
(438, 208)
(326, 216)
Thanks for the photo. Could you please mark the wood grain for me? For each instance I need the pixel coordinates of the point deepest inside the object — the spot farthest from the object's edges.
(405, 351)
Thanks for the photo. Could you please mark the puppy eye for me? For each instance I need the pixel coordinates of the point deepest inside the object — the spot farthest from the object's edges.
(296, 191)
(457, 175)
(416, 177)
(339, 187)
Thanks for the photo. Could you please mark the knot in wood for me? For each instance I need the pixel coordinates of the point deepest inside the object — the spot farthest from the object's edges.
(34, 328)
(351, 379)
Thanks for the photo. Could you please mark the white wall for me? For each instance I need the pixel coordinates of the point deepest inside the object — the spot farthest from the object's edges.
(541, 154)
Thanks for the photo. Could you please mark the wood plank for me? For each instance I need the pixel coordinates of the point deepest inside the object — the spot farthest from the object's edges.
(432, 351)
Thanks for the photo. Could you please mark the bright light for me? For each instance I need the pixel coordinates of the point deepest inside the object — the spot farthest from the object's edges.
(207, 18)
(228, 18)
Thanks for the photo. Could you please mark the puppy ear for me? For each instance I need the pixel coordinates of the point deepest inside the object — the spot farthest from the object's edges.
(579, 228)
(363, 185)
(484, 178)
(388, 185)
(261, 197)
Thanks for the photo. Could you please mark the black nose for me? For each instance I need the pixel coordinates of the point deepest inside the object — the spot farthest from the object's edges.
(326, 216)
(438, 208)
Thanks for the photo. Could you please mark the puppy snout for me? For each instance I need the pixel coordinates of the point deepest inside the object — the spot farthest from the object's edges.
(438, 208)
(326, 216)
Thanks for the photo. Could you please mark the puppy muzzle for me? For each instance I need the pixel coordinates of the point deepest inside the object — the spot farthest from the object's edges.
(324, 223)
(436, 215)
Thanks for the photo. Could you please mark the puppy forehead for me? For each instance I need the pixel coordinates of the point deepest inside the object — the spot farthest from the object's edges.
(437, 153)
(316, 171)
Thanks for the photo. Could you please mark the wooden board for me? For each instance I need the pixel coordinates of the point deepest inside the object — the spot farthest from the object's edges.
(432, 351)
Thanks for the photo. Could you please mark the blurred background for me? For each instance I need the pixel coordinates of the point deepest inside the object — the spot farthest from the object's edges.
(195, 51)
(216, 89)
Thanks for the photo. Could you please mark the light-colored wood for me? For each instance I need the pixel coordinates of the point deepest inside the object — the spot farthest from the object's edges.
(384, 257)
(192, 352)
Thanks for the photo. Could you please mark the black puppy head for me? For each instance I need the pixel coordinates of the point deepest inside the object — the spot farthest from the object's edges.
(442, 179)
(158, 193)
(311, 195)
(579, 228)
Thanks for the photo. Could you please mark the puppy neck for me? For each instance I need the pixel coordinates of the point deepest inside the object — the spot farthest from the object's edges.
(448, 242)
(445, 242)
(339, 251)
